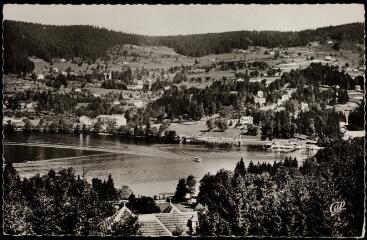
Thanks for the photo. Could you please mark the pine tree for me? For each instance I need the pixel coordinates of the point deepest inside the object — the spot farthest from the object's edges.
(180, 191)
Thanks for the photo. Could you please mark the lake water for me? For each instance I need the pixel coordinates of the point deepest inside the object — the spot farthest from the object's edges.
(146, 169)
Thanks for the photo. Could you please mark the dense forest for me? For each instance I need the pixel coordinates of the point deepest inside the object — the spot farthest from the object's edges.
(286, 200)
(89, 42)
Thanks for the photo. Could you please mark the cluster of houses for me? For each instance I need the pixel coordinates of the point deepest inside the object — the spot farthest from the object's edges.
(116, 120)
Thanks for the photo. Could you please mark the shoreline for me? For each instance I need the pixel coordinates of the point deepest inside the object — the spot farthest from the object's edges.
(213, 142)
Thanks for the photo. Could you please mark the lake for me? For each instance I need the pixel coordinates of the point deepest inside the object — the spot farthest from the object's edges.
(146, 169)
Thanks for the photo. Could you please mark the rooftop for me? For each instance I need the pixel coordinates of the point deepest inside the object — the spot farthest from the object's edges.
(156, 224)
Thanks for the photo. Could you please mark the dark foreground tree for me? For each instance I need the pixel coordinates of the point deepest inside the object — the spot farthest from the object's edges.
(57, 203)
(128, 226)
(180, 191)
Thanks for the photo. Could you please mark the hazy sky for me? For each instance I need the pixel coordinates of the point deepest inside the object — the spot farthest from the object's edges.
(186, 19)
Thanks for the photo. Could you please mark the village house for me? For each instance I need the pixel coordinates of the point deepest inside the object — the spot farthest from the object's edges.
(260, 94)
(246, 120)
(40, 76)
(137, 86)
(260, 101)
(107, 76)
(304, 106)
(327, 58)
(116, 102)
(279, 109)
(285, 97)
(139, 104)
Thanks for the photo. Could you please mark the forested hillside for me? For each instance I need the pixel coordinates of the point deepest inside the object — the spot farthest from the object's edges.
(48, 41)
(45, 41)
(202, 44)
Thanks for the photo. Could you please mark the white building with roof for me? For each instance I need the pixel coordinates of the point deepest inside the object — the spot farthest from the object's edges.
(260, 100)
(327, 58)
(304, 106)
(246, 120)
(40, 76)
(260, 94)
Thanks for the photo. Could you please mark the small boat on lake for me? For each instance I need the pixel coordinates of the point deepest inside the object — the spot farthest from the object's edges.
(197, 159)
